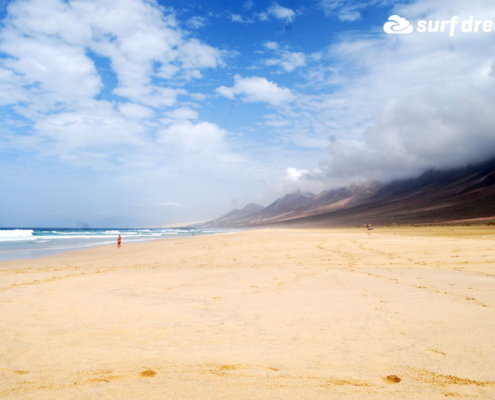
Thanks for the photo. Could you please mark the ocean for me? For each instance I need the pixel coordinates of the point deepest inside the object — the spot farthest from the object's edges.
(21, 243)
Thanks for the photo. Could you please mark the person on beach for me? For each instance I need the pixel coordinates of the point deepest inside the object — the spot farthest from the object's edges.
(119, 241)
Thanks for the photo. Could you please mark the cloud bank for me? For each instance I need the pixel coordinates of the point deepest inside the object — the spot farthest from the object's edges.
(57, 55)
(400, 104)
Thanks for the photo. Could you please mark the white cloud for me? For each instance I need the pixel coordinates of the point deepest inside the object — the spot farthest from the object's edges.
(239, 18)
(170, 204)
(55, 54)
(349, 10)
(198, 96)
(236, 18)
(257, 89)
(95, 127)
(279, 12)
(11, 88)
(275, 122)
(248, 5)
(195, 55)
(55, 71)
(288, 60)
(400, 105)
(263, 16)
(48, 44)
(294, 174)
(137, 111)
(183, 135)
(183, 113)
(293, 179)
(271, 45)
(196, 22)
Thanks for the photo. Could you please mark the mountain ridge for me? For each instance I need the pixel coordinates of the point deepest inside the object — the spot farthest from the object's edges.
(435, 196)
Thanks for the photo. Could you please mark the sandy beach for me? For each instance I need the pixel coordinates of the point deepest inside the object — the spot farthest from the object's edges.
(395, 313)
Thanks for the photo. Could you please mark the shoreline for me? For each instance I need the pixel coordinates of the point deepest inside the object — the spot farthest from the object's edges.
(461, 229)
(305, 314)
(107, 250)
(34, 252)
(103, 250)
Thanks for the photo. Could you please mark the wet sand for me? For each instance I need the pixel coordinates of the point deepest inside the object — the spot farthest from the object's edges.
(395, 313)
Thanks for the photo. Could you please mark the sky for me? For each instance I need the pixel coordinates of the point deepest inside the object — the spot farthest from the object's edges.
(147, 113)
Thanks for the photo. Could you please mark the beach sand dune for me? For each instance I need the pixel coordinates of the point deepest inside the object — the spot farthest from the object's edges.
(396, 313)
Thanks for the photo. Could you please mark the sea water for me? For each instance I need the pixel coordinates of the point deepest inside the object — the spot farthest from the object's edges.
(19, 243)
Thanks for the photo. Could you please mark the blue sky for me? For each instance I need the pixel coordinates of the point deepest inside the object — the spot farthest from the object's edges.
(147, 113)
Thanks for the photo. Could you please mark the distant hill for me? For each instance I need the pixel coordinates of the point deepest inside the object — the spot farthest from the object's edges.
(434, 197)
(235, 218)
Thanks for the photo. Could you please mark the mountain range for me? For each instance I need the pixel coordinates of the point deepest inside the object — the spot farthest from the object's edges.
(437, 196)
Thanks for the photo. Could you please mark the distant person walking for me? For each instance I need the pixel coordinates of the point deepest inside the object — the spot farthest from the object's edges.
(119, 241)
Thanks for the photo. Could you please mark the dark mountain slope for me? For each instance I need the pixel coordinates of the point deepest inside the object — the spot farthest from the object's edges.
(434, 197)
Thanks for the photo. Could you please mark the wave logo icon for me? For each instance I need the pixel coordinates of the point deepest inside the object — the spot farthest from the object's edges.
(397, 25)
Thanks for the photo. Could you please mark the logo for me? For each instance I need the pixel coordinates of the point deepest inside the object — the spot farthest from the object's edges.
(397, 25)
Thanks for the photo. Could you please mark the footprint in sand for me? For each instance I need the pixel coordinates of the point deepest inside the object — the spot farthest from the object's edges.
(392, 379)
(148, 373)
(436, 354)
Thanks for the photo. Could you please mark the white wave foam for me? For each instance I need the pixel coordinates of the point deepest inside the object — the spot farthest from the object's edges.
(75, 235)
(16, 234)
(71, 232)
(11, 235)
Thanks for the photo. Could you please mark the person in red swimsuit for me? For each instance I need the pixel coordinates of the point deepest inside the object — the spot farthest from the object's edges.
(119, 241)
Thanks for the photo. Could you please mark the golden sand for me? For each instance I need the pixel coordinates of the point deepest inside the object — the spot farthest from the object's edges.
(394, 313)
